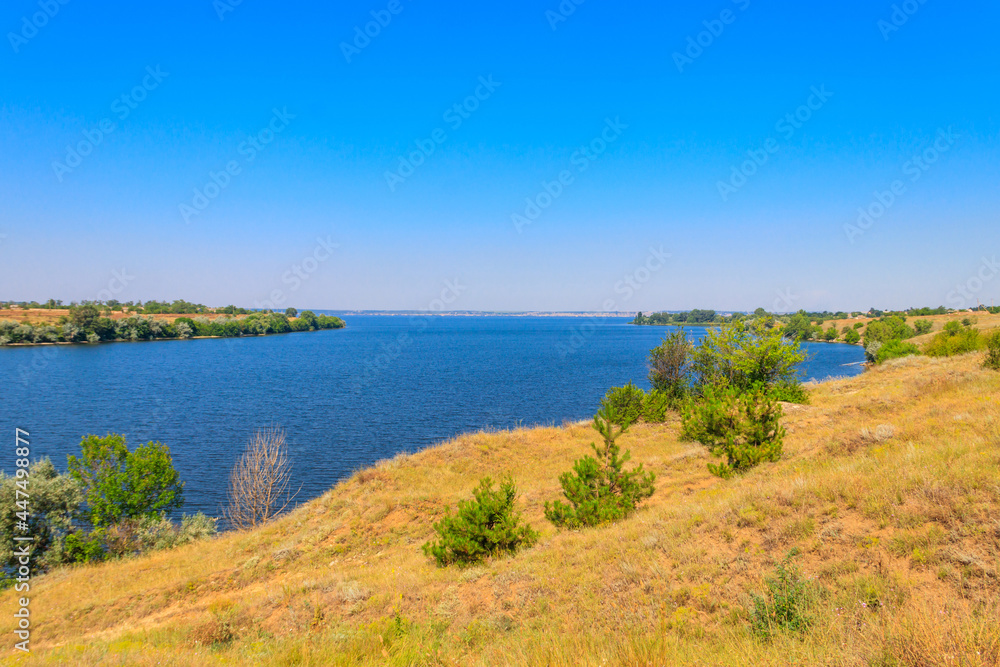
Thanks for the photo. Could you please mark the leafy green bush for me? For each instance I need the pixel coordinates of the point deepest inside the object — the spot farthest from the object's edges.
(742, 355)
(783, 605)
(992, 360)
(887, 329)
(895, 349)
(741, 425)
(830, 334)
(670, 363)
(151, 533)
(628, 402)
(484, 527)
(125, 485)
(81, 547)
(599, 489)
(954, 340)
(657, 404)
(922, 326)
(54, 503)
(790, 392)
(852, 337)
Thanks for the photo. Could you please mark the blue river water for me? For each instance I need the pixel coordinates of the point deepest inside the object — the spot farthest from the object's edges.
(345, 398)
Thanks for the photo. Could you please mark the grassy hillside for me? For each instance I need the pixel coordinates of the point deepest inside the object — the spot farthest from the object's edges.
(890, 487)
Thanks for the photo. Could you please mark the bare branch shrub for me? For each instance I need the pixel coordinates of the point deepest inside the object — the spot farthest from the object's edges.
(259, 482)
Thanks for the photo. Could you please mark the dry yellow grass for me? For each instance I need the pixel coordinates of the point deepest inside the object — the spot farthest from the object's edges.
(890, 487)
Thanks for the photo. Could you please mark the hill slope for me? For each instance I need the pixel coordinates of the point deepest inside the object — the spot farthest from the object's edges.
(890, 488)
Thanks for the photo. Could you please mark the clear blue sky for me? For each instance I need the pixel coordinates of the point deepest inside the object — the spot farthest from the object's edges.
(678, 127)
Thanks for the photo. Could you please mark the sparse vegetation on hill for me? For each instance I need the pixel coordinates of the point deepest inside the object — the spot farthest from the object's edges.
(887, 488)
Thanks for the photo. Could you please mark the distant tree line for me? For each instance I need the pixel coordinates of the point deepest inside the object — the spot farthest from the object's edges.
(88, 324)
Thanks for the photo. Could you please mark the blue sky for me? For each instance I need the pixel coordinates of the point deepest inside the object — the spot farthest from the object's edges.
(595, 93)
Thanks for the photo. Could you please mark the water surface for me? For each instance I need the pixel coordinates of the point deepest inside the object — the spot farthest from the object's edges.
(346, 398)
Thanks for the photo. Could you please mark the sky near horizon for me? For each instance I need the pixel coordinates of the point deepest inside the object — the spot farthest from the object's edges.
(512, 156)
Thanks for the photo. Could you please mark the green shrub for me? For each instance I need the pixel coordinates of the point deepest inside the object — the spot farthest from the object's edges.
(599, 489)
(830, 334)
(852, 337)
(484, 527)
(139, 535)
(744, 354)
(922, 326)
(954, 340)
(83, 547)
(657, 404)
(54, 503)
(895, 349)
(783, 605)
(628, 402)
(124, 485)
(992, 360)
(887, 329)
(790, 392)
(743, 426)
(670, 363)
(858, 325)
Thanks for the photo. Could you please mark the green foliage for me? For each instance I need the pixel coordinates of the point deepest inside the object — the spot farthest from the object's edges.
(86, 324)
(670, 363)
(123, 485)
(952, 340)
(54, 501)
(895, 349)
(920, 327)
(291, 312)
(131, 537)
(887, 329)
(992, 360)
(784, 603)
(656, 406)
(628, 403)
(81, 547)
(859, 325)
(741, 425)
(484, 527)
(852, 337)
(830, 334)
(790, 392)
(693, 317)
(599, 489)
(743, 354)
(799, 327)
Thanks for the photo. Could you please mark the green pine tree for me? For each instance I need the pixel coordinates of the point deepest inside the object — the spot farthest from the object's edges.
(599, 489)
(484, 527)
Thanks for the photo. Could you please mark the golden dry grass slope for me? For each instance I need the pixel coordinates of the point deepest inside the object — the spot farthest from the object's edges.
(890, 487)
